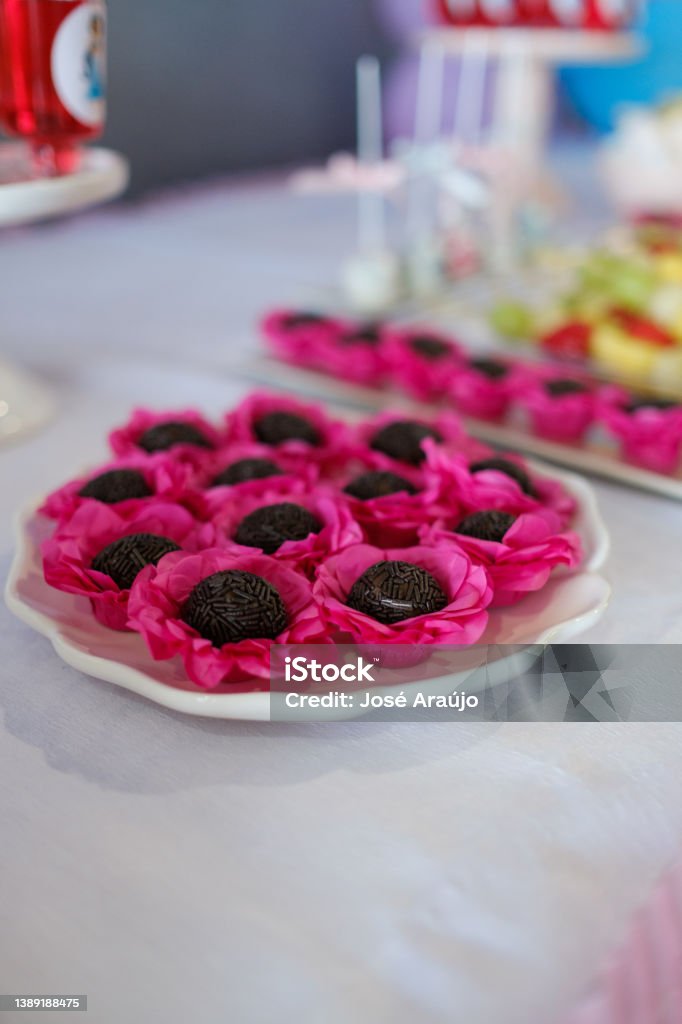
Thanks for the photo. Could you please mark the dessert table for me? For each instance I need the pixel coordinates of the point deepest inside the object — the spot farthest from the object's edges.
(183, 869)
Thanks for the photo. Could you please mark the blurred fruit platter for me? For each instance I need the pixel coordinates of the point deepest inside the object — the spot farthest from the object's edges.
(552, 410)
(620, 314)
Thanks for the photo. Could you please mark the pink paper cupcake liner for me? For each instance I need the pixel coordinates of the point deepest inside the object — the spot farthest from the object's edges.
(68, 554)
(126, 440)
(564, 416)
(421, 362)
(648, 436)
(159, 594)
(208, 498)
(166, 478)
(298, 337)
(480, 394)
(519, 564)
(338, 527)
(462, 620)
(330, 439)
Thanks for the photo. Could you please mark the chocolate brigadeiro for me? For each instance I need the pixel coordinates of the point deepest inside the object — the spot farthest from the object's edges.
(564, 386)
(391, 592)
(244, 470)
(402, 440)
(510, 469)
(302, 319)
(366, 334)
(378, 484)
(164, 435)
(491, 368)
(269, 527)
(126, 557)
(234, 605)
(660, 404)
(116, 485)
(488, 525)
(429, 347)
(277, 427)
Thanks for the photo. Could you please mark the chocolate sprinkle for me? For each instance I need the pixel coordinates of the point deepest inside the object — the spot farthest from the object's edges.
(302, 319)
(378, 484)
(277, 427)
(164, 435)
(234, 605)
(662, 404)
(269, 527)
(245, 470)
(391, 592)
(429, 347)
(367, 334)
(116, 485)
(490, 368)
(510, 469)
(488, 525)
(564, 386)
(127, 556)
(402, 440)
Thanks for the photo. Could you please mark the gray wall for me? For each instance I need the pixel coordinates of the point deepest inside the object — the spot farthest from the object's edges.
(204, 87)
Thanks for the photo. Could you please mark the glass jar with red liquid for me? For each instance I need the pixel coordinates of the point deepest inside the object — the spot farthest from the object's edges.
(53, 76)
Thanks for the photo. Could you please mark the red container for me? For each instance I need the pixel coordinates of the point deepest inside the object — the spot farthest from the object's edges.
(575, 14)
(568, 13)
(479, 12)
(610, 14)
(53, 75)
(554, 13)
(458, 12)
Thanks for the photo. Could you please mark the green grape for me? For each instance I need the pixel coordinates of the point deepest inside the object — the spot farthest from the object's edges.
(633, 287)
(512, 319)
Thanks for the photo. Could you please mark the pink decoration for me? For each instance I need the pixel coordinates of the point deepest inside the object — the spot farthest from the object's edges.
(333, 435)
(207, 500)
(125, 440)
(167, 478)
(160, 592)
(339, 529)
(338, 348)
(446, 424)
(649, 437)
(522, 562)
(475, 393)
(68, 554)
(466, 586)
(495, 489)
(417, 374)
(563, 418)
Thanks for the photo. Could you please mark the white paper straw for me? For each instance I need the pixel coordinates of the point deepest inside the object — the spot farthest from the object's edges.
(371, 210)
(470, 99)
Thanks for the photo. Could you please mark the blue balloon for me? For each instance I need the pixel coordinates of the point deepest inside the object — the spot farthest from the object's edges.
(598, 93)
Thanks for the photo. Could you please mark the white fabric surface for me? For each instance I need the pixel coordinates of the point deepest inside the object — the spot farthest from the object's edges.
(178, 869)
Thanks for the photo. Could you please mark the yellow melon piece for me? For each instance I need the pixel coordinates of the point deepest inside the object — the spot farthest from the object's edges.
(669, 267)
(616, 351)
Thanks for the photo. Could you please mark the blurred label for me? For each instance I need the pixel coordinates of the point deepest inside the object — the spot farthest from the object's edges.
(79, 63)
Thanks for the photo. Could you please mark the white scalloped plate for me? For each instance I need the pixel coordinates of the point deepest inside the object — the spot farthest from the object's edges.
(568, 605)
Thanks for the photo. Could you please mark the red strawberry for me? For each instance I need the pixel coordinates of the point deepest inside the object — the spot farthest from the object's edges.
(640, 327)
(570, 341)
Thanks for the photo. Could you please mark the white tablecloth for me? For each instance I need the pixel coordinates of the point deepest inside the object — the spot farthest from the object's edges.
(178, 869)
